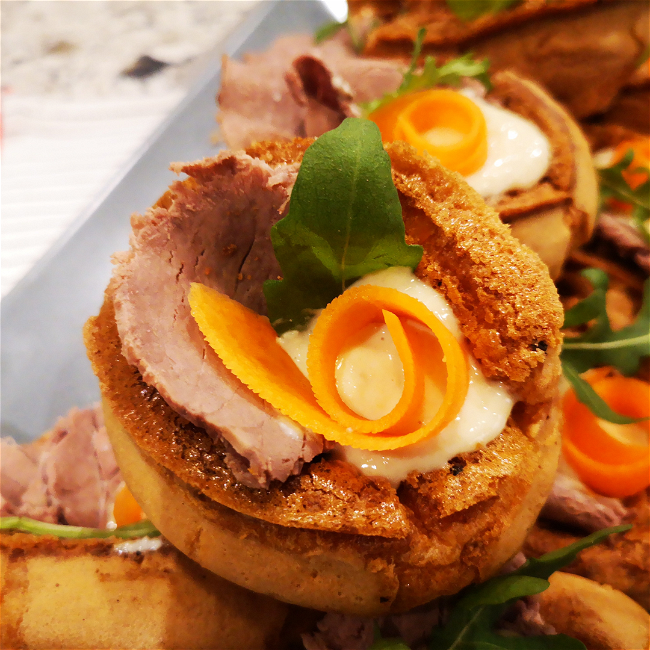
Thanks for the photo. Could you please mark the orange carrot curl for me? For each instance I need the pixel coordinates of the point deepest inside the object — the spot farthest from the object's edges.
(612, 459)
(442, 122)
(248, 347)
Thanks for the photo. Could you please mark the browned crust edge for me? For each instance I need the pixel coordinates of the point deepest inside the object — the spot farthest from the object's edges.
(340, 572)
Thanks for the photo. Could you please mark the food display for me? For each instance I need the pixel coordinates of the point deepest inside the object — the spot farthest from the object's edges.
(360, 521)
(375, 376)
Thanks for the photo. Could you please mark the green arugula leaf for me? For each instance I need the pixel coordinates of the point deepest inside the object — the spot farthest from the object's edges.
(546, 565)
(470, 9)
(614, 185)
(328, 30)
(592, 306)
(380, 643)
(592, 400)
(470, 625)
(448, 74)
(344, 221)
(26, 525)
(600, 345)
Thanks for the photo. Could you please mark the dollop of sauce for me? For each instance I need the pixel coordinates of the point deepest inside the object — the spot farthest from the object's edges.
(370, 379)
(518, 152)
(372, 354)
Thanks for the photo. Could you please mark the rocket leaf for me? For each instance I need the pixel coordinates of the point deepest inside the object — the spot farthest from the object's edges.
(328, 30)
(344, 221)
(600, 345)
(614, 185)
(26, 525)
(450, 73)
(470, 9)
(472, 620)
(591, 399)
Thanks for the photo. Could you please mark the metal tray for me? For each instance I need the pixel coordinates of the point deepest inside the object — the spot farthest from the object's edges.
(44, 368)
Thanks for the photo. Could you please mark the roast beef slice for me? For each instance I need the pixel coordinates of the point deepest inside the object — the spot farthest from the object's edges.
(298, 89)
(69, 475)
(214, 229)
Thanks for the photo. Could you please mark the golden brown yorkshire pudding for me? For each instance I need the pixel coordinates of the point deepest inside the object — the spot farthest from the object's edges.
(582, 51)
(88, 594)
(329, 537)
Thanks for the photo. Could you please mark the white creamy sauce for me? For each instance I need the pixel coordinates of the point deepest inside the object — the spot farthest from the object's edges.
(370, 380)
(373, 354)
(139, 545)
(518, 152)
(481, 419)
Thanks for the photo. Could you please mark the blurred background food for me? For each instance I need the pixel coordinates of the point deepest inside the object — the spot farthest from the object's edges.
(587, 53)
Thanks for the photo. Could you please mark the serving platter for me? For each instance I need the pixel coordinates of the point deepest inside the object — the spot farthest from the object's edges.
(44, 366)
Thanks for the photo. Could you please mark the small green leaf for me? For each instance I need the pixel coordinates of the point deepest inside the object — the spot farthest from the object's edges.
(26, 525)
(450, 73)
(380, 643)
(501, 589)
(546, 565)
(328, 30)
(591, 307)
(600, 345)
(471, 623)
(592, 400)
(344, 221)
(614, 185)
(470, 9)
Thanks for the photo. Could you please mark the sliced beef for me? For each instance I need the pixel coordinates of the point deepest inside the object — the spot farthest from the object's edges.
(255, 100)
(341, 632)
(18, 471)
(299, 89)
(524, 618)
(414, 628)
(69, 475)
(572, 502)
(619, 231)
(214, 229)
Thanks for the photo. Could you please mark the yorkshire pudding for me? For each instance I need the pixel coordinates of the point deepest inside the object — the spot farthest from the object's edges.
(329, 537)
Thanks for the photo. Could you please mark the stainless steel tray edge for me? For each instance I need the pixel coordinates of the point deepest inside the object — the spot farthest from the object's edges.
(44, 369)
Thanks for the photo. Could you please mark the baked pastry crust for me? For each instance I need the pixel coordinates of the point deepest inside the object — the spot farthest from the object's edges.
(331, 538)
(67, 593)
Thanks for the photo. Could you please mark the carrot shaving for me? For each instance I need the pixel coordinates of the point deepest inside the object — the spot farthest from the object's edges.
(442, 122)
(248, 347)
(354, 309)
(611, 459)
(325, 347)
(126, 509)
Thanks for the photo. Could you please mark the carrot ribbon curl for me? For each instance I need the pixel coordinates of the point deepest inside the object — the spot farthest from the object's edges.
(611, 459)
(442, 122)
(247, 345)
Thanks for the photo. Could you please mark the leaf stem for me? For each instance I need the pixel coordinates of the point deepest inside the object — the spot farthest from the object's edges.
(608, 345)
(26, 525)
